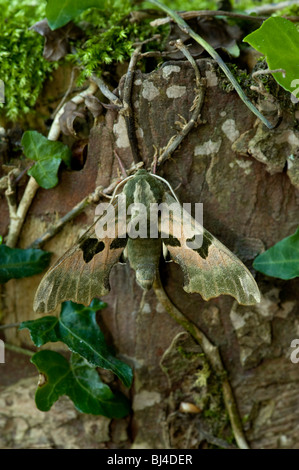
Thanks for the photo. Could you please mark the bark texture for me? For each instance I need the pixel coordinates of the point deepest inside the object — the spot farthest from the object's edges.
(248, 183)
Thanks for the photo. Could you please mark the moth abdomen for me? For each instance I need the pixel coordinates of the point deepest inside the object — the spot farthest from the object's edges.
(145, 275)
(144, 256)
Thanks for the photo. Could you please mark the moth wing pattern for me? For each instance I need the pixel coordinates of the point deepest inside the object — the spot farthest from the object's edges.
(82, 273)
(212, 269)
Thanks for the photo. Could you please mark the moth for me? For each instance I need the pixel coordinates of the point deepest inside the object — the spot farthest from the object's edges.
(82, 273)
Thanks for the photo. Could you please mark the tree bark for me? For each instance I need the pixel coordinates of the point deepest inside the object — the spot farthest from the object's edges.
(241, 173)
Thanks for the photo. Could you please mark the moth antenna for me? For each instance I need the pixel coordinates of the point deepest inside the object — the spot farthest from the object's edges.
(118, 186)
(121, 165)
(166, 182)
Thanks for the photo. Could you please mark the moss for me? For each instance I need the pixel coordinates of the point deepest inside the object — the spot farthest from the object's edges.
(23, 68)
(109, 38)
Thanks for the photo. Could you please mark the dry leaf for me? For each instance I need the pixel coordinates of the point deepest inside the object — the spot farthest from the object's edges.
(216, 32)
(67, 119)
(56, 42)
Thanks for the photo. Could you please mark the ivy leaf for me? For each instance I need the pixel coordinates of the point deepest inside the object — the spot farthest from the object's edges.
(60, 13)
(281, 260)
(42, 330)
(79, 381)
(78, 329)
(48, 155)
(16, 263)
(278, 40)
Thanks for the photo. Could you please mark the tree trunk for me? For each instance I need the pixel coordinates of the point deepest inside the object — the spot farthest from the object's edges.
(241, 173)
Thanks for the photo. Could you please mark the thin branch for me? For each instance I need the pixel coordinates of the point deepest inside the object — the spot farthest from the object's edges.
(19, 350)
(10, 194)
(78, 99)
(105, 90)
(17, 219)
(57, 226)
(213, 356)
(67, 93)
(127, 110)
(77, 209)
(188, 15)
(267, 71)
(196, 107)
(18, 215)
(10, 325)
(271, 7)
(186, 29)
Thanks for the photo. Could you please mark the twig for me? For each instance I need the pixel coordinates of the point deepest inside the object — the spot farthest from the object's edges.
(10, 194)
(127, 110)
(197, 105)
(105, 90)
(19, 350)
(76, 210)
(186, 29)
(10, 325)
(213, 356)
(267, 71)
(57, 226)
(271, 7)
(188, 15)
(18, 215)
(68, 91)
(78, 99)
(121, 165)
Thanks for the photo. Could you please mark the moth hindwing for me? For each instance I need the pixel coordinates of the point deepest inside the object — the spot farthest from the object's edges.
(83, 272)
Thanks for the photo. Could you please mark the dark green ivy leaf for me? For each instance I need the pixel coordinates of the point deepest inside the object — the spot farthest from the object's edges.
(47, 154)
(60, 13)
(281, 260)
(78, 329)
(79, 381)
(42, 330)
(16, 263)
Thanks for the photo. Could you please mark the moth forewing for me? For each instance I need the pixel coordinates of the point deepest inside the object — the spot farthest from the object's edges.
(82, 273)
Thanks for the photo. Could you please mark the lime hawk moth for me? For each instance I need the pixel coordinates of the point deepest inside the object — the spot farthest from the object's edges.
(82, 273)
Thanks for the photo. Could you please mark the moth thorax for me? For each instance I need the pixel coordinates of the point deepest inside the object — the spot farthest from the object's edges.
(145, 276)
(143, 193)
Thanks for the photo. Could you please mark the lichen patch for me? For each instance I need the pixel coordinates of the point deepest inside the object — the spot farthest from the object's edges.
(207, 148)
(230, 130)
(149, 91)
(120, 130)
(212, 79)
(176, 91)
(169, 69)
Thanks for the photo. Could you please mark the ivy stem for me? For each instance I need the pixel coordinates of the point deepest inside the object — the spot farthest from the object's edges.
(19, 350)
(187, 30)
(10, 325)
(213, 355)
